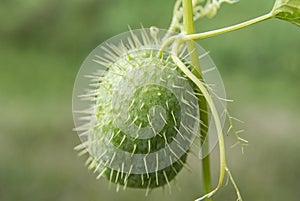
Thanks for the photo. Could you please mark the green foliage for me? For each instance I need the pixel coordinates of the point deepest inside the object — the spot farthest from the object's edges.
(288, 10)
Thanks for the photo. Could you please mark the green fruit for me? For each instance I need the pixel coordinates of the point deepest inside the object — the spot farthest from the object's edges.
(139, 112)
(136, 112)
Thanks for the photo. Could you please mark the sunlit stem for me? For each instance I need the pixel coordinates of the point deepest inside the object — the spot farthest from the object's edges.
(228, 29)
(189, 28)
(217, 122)
(234, 185)
(215, 116)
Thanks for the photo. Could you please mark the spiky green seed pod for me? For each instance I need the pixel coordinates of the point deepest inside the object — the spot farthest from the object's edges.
(140, 116)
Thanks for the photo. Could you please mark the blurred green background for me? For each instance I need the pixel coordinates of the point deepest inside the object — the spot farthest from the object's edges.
(44, 42)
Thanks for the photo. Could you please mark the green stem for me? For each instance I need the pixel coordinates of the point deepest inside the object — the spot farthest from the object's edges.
(189, 28)
(215, 116)
(228, 29)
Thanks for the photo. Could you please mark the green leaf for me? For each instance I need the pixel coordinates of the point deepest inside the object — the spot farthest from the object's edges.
(288, 10)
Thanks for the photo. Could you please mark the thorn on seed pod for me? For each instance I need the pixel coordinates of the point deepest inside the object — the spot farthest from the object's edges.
(145, 111)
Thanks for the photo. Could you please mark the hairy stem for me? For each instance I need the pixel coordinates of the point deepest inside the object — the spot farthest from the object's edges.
(189, 28)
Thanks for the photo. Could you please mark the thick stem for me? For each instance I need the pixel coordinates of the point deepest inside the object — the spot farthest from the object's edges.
(189, 28)
(228, 29)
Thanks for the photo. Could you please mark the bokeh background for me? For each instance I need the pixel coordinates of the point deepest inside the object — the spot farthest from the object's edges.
(44, 42)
